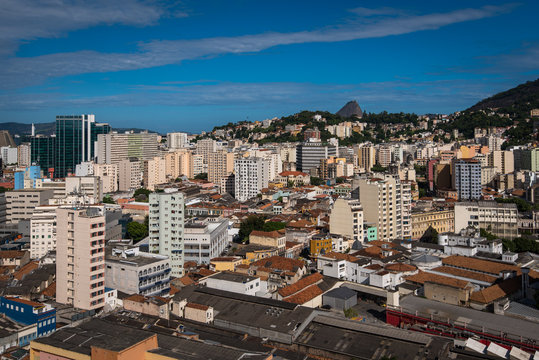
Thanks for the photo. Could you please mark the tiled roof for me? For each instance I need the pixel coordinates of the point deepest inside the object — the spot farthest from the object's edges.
(374, 267)
(136, 298)
(50, 291)
(225, 259)
(300, 284)
(279, 263)
(466, 274)
(340, 256)
(26, 269)
(24, 301)
(206, 272)
(305, 295)
(487, 266)
(293, 173)
(424, 277)
(8, 254)
(272, 234)
(399, 267)
(498, 291)
(197, 306)
(186, 280)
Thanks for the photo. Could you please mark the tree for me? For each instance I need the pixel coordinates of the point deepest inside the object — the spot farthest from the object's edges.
(378, 168)
(272, 226)
(142, 194)
(316, 181)
(201, 176)
(350, 313)
(108, 200)
(253, 222)
(136, 231)
(339, 180)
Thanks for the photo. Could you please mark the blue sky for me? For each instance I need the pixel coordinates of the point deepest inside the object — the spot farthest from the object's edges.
(190, 65)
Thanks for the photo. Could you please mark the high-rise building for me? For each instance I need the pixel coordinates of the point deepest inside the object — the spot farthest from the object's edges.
(166, 228)
(387, 204)
(154, 172)
(467, 179)
(23, 155)
(179, 163)
(366, 157)
(346, 219)
(80, 257)
(274, 157)
(177, 140)
(309, 154)
(88, 186)
(383, 156)
(205, 240)
(113, 147)
(129, 174)
(21, 203)
(220, 164)
(42, 151)
(205, 147)
(251, 176)
(9, 155)
(503, 161)
(500, 219)
(108, 173)
(75, 140)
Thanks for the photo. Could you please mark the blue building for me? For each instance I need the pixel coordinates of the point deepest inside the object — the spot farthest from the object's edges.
(30, 173)
(29, 313)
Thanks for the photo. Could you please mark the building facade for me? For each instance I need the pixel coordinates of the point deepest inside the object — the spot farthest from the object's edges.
(251, 176)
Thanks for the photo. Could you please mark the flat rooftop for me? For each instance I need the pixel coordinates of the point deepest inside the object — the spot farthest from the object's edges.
(233, 277)
(491, 323)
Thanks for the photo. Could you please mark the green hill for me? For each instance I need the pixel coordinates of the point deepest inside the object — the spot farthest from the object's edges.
(521, 98)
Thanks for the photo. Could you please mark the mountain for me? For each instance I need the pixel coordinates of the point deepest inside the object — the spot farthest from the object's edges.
(523, 96)
(350, 109)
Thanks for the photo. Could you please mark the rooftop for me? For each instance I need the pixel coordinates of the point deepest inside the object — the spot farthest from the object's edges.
(233, 277)
(491, 267)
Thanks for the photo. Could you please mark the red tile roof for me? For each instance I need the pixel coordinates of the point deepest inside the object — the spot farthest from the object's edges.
(305, 295)
(399, 267)
(424, 277)
(272, 234)
(279, 263)
(8, 254)
(197, 306)
(491, 267)
(498, 291)
(300, 285)
(50, 291)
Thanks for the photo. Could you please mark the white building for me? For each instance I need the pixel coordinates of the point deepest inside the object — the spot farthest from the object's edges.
(204, 240)
(346, 219)
(9, 155)
(129, 174)
(236, 282)
(498, 218)
(108, 173)
(251, 176)
(177, 140)
(166, 228)
(24, 154)
(42, 231)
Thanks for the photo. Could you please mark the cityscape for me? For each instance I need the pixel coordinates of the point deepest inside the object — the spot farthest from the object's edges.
(174, 207)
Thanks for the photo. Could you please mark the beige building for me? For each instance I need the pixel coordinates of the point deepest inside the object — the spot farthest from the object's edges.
(154, 173)
(383, 156)
(23, 155)
(346, 219)
(129, 174)
(499, 219)
(220, 165)
(108, 173)
(387, 204)
(80, 258)
(89, 186)
(20, 204)
(440, 220)
(113, 147)
(366, 157)
(275, 239)
(297, 178)
(179, 163)
(503, 161)
(205, 147)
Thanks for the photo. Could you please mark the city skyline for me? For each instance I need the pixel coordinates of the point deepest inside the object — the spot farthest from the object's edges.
(191, 66)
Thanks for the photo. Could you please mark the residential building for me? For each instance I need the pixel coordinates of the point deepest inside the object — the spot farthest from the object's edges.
(75, 138)
(21, 203)
(129, 174)
(387, 205)
(320, 245)
(205, 147)
(9, 155)
(346, 219)
(89, 186)
(166, 228)
(251, 176)
(177, 140)
(296, 178)
(180, 163)
(502, 161)
(468, 243)
(132, 271)
(113, 147)
(24, 155)
(467, 178)
(28, 312)
(310, 152)
(27, 179)
(42, 231)
(498, 218)
(366, 157)
(154, 172)
(236, 282)
(275, 239)
(440, 220)
(205, 240)
(108, 173)
(80, 257)
(220, 165)
(383, 156)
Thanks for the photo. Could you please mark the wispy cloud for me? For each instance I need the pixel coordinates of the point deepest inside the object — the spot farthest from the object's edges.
(19, 72)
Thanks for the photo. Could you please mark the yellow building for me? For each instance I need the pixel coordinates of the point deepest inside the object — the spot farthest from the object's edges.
(440, 220)
(225, 263)
(321, 246)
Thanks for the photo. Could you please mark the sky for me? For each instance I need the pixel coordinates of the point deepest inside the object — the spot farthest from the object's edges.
(191, 65)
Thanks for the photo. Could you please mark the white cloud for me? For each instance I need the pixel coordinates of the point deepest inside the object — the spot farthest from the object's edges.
(19, 72)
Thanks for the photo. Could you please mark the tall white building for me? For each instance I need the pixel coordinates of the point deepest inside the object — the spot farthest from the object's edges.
(23, 155)
(113, 147)
(155, 172)
(177, 140)
(346, 219)
(205, 147)
(129, 174)
(166, 228)
(42, 231)
(251, 176)
(108, 173)
(205, 240)
(9, 155)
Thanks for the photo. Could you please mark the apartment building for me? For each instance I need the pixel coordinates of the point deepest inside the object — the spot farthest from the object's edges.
(20, 204)
(177, 140)
(129, 174)
(220, 165)
(387, 205)
(179, 163)
(497, 218)
(166, 228)
(84, 185)
(108, 173)
(503, 161)
(154, 173)
(42, 231)
(383, 156)
(80, 257)
(132, 271)
(204, 240)
(366, 157)
(310, 152)
(205, 147)
(467, 179)
(346, 219)
(251, 176)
